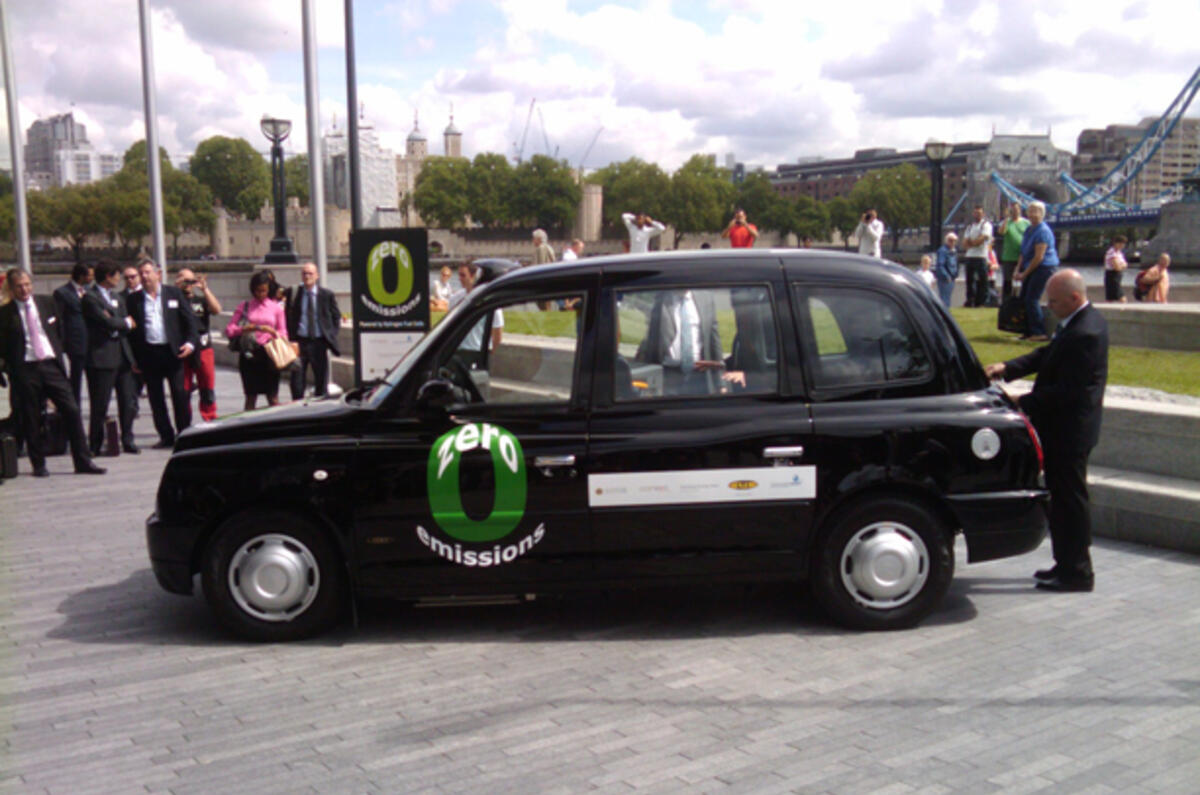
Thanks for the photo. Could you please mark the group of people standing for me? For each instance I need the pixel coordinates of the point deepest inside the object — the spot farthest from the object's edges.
(149, 335)
(119, 339)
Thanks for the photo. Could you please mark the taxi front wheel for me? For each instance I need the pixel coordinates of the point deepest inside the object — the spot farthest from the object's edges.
(272, 576)
(884, 563)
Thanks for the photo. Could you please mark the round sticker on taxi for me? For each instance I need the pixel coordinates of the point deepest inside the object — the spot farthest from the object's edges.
(743, 485)
(444, 487)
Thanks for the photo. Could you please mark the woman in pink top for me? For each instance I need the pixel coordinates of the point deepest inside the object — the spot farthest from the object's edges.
(264, 318)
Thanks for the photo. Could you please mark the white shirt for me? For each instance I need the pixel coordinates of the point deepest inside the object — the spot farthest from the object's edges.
(474, 339)
(442, 290)
(869, 237)
(46, 346)
(639, 237)
(980, 229)
(928, 278)
(155, 333)
(569, 255)
(686, 317)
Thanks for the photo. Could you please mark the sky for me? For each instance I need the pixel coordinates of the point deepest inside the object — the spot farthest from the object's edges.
(771, 81)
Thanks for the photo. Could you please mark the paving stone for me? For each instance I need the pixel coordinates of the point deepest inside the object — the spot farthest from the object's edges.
(108, 684)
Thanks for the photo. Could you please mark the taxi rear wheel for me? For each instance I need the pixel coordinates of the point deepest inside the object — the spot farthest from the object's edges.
(884, 563)
(271, 576)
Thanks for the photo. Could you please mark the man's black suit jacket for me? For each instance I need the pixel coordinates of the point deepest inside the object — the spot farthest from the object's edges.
(12, 333)
(329, 317)
(70, 314)
(179, 324)
(1072, 371)
(108, 333)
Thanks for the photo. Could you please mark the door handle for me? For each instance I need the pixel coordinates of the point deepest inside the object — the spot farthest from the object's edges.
(783, 452)
(567, 460)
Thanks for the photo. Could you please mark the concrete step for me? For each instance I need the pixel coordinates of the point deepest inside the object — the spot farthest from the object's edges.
(1147, 509)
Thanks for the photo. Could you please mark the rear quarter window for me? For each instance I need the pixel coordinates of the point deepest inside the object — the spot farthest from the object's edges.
(858, 338)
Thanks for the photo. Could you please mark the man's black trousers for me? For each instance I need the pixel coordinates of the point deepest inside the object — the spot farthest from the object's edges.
(314, 353)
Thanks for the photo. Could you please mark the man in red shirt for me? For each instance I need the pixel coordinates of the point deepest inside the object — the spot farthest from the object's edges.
(740, 233)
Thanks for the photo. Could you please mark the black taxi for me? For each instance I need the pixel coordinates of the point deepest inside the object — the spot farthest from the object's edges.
(624, 421)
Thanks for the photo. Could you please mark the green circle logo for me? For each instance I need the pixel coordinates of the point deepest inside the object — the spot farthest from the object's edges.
(445, 496)
(377, 261)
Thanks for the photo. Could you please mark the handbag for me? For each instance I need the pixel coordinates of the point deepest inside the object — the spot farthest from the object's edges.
(1011, 315)
(283, 354)
(243, 342)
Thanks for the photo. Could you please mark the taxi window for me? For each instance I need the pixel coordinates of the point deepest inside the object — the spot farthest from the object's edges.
(731, 347)
(861, 337)
(529, 356)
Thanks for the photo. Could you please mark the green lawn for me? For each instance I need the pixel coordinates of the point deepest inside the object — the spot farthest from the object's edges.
(1170, 371)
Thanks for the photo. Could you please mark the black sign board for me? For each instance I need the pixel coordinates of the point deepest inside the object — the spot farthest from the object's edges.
(389, 287)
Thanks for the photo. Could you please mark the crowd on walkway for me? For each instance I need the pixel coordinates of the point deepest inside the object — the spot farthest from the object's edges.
(143, 336)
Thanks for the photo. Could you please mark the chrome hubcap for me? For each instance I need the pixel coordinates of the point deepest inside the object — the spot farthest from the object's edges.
(884, 565)
(274, 577)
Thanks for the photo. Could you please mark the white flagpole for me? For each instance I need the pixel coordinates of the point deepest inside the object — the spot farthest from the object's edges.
(316, 200)
(153, 166)
(14, 145)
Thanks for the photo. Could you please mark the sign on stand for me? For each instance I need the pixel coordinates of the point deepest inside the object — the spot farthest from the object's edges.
(389, 287)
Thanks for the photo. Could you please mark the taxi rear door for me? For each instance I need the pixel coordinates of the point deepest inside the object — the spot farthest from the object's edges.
(695, 475)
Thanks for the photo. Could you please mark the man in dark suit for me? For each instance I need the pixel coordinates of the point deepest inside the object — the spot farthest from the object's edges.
(68, 300)
(683, 337)
(313, 321)
(110, 359)
(31, 351)
(164, 334)
(1065, 409)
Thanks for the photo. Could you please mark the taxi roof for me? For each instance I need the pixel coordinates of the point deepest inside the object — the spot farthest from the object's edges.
(708, 263)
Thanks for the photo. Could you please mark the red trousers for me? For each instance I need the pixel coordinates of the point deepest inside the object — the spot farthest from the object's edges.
(200, 366)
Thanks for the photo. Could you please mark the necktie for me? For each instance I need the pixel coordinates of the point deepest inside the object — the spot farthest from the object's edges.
(35, 337)
(311, 309)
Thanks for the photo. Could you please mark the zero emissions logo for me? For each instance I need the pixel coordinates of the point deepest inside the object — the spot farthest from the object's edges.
(377, 261)
(445, 496)
(508, 508)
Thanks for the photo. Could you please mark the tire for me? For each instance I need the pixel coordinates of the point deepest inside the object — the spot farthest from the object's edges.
(883, 563)
(272, 576)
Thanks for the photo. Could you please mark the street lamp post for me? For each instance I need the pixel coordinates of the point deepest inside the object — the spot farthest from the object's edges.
(276, 131)
(936, 152)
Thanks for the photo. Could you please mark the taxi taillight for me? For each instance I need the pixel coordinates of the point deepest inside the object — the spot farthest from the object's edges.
(1037, 443)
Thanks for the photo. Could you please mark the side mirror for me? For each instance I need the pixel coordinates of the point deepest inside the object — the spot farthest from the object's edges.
(436, 394)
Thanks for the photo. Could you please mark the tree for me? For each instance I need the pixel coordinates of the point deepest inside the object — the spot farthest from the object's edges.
(74, 212)
(700, 198)
(135, 159)
(236, 174)
(764, 207)
(545, 193)
(900, 194)
(440, 195)
(490, 189)
(632, 186)
(297, 181)
(803, 217)
(842, 217)
(187, 206)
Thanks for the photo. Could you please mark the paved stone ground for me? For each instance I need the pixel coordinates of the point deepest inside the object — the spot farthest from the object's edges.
(110, 685)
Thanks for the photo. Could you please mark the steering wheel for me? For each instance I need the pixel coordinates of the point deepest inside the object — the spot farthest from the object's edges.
(457, 373)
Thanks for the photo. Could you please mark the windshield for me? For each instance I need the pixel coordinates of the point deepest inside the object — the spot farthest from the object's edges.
(375, 396)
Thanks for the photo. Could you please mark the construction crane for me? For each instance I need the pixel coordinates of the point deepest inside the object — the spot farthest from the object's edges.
(588, 151)
(545, 137)
(525, 133)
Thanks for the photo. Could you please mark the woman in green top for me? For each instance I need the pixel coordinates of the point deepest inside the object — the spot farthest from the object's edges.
(1012, 231)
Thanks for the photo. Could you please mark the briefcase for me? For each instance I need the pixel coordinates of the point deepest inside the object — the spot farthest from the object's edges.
(8, 455)
(1011, 315)
(112, 438)
(53, 433)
